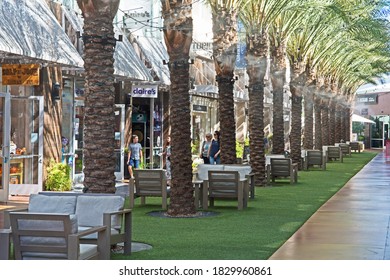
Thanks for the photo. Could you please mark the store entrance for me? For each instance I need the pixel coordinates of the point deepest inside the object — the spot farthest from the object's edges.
(119, 141)
(21, 156)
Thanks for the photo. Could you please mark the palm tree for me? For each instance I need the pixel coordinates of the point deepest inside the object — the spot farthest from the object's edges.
(224, 16)
(256, 15)
(178, 38)
(99, 120)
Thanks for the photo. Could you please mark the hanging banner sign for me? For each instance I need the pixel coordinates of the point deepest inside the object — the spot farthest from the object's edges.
(20, 74)
(145, 91)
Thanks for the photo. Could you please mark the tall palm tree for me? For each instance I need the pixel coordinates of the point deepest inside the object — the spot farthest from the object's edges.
(224, 16)
(256, 15)
(277, 46)
(302, 21)
(99, 120)
(178, 38)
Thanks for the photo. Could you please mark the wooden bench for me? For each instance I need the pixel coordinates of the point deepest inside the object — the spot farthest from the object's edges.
(345, 149)
(282, 168)
(90, 209)
(244, 170)
(225, 185)
(40, 236)
(314, 157)
(334, 153)
(355, 146)
(149, 183)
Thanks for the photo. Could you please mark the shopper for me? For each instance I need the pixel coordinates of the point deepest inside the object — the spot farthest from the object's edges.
(215, 149)
(204, 153)
(135, 155)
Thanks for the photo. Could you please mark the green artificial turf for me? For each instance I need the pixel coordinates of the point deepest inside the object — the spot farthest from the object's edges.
(252, 234)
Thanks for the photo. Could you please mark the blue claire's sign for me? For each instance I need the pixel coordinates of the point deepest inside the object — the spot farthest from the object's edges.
(145, 91)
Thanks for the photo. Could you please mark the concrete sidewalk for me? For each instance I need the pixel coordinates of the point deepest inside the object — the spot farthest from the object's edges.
(352, 225)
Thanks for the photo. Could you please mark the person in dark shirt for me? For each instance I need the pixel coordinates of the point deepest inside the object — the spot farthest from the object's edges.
(214, 150)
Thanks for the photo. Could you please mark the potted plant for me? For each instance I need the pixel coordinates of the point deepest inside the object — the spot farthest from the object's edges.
(58, 177)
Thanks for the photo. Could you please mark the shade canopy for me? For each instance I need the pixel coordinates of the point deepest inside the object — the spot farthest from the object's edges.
(127, 64)
(154, 51)
(357, 118)
(30, 33)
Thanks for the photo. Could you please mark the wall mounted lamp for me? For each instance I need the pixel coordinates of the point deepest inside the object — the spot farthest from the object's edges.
(55, 92)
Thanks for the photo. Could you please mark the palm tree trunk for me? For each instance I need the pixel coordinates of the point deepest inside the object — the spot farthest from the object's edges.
(317, 124)
(227, 120)
(224, 52)
(256, 58)
(309, 120)
(338, 135)
(325, 121)
(99, 120)
(256, 121)
(296, 124)
(178, 39)
(332, 122)
(347, 124)
(278, 77)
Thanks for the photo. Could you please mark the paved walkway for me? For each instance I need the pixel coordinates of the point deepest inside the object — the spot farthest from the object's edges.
(352, 225)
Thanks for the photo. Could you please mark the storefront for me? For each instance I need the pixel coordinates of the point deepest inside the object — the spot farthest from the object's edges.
(27, 47)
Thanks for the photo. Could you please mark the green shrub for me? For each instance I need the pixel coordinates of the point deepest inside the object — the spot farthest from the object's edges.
(195, 147)
(240, 147)
(58, 177)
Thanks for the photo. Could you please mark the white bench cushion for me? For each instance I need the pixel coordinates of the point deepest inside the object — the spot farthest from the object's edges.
(243, 170)
(52, 204)
(90, 209)
(203, 170)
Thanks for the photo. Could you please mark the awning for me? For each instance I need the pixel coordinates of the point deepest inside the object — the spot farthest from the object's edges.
(357, 118)
(155, 53)
(30, 33)
(127, 64)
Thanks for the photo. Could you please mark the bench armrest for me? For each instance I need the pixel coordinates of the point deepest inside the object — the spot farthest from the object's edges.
(5, 238)
(7, 221)
(102, 242)
(125, 232)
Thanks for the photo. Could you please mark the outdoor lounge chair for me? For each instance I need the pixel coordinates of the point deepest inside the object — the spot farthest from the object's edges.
(314, 157)
(345, 149)
(282, 168)
(149, 182)
(91, 210)
(38, 236)
(334, 153)
(355, 146)
(225, 185)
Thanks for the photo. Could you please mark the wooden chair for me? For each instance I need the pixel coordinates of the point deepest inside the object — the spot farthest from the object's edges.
(225, 185)
(54, 236)
(149, 182)
(314, 157)
(334, 153)
(282, 168)
(345, 149)
(91, 210)
(355, 146)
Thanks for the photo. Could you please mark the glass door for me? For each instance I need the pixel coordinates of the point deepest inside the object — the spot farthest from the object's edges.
(119, 141)
(5, 145)
(22, 145)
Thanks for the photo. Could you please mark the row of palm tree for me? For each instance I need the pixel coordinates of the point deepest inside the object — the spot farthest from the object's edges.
(321, 51)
